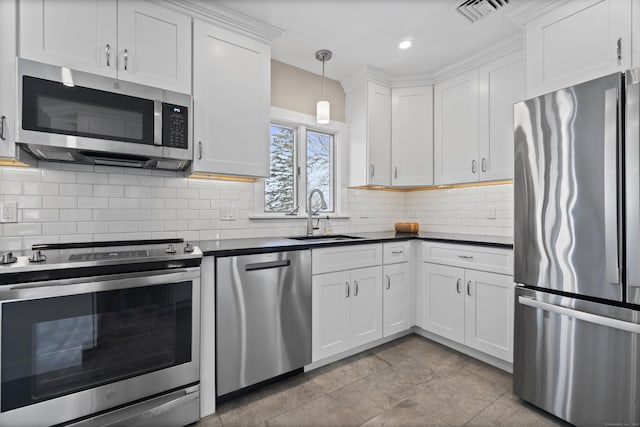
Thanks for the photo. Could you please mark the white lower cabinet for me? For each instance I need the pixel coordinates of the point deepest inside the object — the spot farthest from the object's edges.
(396, 299)
(465, 305)
(347, 310)
(474, 308)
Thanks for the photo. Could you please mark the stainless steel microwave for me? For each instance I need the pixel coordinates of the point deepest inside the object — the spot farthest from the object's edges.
(66, 115)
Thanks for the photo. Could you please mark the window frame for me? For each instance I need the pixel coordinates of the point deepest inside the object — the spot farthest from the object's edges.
(301, 122)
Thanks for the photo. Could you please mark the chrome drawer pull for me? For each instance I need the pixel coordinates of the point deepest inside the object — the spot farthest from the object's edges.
(465, 256)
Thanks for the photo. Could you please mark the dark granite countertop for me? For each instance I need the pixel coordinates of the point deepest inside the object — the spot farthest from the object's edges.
(231, 247)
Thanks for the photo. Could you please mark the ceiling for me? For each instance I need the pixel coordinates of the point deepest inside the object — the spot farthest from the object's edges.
(367, 32)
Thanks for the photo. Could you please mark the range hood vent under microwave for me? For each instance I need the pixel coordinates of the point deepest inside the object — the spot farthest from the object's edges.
(58, 154)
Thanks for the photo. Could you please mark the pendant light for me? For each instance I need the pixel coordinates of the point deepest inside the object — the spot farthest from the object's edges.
(322, 107)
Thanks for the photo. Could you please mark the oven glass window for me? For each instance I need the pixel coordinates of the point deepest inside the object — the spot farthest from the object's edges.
(60, 345)
(52, 107)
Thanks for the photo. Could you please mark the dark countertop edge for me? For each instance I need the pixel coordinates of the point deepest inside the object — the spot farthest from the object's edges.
(295, 246)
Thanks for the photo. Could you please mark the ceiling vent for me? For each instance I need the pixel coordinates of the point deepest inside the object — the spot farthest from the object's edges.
(474, 10)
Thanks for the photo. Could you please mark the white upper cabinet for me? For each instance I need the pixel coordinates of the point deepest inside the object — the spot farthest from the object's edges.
(501, 85)
(456, 129)
(368, 111)
(635, 36)
(579, 41)
(154, 46)
(473, 122)
(79, 35)
(7, 79)
(412, 136)
(132, 40)
(231, 102)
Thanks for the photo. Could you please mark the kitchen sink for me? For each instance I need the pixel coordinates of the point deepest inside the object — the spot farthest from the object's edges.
(326, 238)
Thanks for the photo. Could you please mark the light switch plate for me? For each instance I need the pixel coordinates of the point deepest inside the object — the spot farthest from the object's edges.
(8, 212)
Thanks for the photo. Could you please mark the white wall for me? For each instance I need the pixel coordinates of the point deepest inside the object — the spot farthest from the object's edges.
(64, 203)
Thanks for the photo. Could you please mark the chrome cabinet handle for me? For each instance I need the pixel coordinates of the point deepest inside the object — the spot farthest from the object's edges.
(469, 288)
(395, 172)
(473, 166)
(400, 252)
(3, 121)
(371, 170)
(465, 256)
(126, 59)
(388, 282)
(619, 49)
(199, 149)
(107, 51)
(347, 289)
(355, 290)
(458, 286)
(483, 165)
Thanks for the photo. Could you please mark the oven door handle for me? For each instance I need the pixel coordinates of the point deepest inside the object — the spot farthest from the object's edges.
(83, 285)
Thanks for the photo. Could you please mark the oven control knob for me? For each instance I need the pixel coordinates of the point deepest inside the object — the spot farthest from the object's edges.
(171, 249)
(188, 247)
(8, 258)
(37, 256)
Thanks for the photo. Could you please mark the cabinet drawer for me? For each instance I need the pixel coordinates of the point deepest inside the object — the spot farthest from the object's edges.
(396, 252)
(497, 260)
(325, 260)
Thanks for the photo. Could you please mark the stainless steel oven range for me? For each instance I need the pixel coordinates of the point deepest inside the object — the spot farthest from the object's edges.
(100, 333)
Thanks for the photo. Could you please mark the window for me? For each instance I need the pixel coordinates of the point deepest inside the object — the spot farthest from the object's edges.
(303, 157)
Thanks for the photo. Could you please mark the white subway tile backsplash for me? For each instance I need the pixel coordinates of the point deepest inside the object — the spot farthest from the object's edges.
(69, 202)
(53, 202)
(41, 188)
(10, 187)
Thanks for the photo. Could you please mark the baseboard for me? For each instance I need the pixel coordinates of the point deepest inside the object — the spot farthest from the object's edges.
(356, 350)
(483, 357)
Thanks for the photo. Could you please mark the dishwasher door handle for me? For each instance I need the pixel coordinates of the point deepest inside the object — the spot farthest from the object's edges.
(267, 265)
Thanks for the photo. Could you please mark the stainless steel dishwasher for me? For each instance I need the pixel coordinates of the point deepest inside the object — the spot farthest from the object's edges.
(263, 317)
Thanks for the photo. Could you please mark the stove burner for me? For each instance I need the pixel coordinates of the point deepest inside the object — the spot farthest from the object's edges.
(108, 255)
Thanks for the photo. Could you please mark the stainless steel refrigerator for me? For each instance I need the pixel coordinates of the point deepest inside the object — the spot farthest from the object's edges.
(577, 251)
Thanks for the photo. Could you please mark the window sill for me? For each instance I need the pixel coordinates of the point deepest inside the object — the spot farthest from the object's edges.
(301, 217)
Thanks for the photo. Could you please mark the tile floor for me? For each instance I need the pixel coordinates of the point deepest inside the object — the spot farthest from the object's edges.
(408, 382)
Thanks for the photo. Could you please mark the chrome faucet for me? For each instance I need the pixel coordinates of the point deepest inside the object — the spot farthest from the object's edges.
(311, 212)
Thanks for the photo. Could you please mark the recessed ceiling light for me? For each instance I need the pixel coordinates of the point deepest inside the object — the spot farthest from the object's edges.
(405, 43)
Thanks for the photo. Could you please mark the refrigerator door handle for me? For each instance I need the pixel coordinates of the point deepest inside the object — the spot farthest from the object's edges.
(632, 185)
(581, 315)
(611, 186)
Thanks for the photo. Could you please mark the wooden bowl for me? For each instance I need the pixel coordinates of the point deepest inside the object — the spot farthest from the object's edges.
(407, 227)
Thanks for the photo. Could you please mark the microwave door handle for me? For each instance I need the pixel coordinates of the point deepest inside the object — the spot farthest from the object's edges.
(157, 122)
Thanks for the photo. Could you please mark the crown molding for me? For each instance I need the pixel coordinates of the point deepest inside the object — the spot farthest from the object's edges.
(522, 11)
(225, 17)
(370, 73)
(364, 74)
(495, 52)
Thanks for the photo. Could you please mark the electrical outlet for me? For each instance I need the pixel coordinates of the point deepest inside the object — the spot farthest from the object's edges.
(9, 212)
(491, 212)
(228, 213)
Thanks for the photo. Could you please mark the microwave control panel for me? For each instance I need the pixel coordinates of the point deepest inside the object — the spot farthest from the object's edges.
(175, 127)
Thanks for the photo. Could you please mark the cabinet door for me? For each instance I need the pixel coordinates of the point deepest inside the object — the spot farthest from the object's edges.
(366, 305)
(379, 134)
(456, 130)
(231, 102)
(577, 42)
(501, 85)
(412, 136)
(396, 293)
(443, 301)
(7, 78)
(154, 46)
(81, 35)
(489, 313)
(330, 313)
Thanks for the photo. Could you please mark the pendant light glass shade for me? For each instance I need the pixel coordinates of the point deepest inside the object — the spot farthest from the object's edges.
(323, 108)
(323, 112)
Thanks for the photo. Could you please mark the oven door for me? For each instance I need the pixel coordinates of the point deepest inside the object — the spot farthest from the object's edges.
(70, 348)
